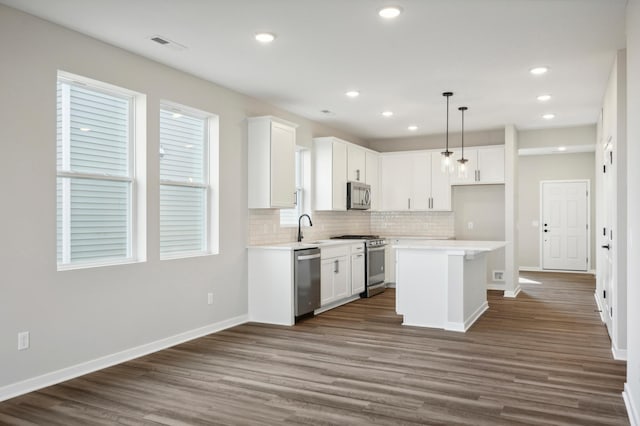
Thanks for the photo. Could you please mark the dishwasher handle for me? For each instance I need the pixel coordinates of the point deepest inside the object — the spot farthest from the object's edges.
(308, 257)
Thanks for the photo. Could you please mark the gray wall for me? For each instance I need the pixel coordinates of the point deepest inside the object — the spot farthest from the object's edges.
(533, 170)
(80, 315)
(562, 136)
(477, 138)
(483, 205)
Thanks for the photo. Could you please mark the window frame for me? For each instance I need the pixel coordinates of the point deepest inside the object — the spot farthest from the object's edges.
(209, 184)
(136, 101)
(302, 187)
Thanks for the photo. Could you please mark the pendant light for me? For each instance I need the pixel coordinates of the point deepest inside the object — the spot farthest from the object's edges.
(447, 156)
(462, 166)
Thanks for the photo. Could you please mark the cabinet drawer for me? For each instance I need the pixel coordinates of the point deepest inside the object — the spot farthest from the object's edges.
(331, 252)
(357, 248)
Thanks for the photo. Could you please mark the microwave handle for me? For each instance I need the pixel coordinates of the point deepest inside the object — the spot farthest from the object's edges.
(367, 197)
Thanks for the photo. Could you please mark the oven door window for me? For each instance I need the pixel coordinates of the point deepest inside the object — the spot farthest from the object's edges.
(375, 265)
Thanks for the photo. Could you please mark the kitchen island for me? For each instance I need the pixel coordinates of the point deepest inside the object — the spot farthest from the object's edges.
(442, 283)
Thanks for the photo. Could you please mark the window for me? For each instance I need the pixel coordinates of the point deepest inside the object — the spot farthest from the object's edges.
(289, 217)
(95, 173)
(184, 182)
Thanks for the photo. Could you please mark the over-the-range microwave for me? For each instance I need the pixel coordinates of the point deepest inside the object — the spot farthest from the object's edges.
(358, 196)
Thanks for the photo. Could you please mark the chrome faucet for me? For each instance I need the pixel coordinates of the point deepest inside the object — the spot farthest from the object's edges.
(300, 220)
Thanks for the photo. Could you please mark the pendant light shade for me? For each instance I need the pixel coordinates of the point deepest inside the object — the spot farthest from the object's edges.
(462, 162)
(447, 165)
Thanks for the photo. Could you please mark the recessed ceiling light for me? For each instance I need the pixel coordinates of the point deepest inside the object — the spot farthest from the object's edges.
(549, 116)
(562, 148)
(544, 98)
(353, 93)
(176, 115)
(85, 129)
(265, 37)
(539, 70)
(413, 128)
(390, 12)
(387, 113)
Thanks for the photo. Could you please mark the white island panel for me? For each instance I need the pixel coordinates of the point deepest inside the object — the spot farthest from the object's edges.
(441, 284)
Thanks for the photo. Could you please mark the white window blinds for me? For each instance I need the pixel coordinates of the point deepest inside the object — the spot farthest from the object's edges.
(183, 183)
(94, 174)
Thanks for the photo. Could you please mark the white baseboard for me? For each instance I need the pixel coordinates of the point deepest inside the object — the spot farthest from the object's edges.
(55, 377)
(632, 411)
(529, 269)
(618, 354)
(512, 294)
(599, 305)
(390, 285)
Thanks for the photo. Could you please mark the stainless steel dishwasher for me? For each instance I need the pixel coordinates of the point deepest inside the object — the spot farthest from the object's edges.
(306, 272)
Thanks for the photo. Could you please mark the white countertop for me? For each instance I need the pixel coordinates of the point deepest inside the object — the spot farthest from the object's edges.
(294, 245)
(451, 245)
(413, 237)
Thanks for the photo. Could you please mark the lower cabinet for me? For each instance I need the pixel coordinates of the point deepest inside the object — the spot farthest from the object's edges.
(334, 283)
(357, 273)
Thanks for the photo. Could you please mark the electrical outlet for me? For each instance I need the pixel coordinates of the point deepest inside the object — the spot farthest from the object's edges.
(23, 340)
(209, 298)
(470, 225)
(498, 275)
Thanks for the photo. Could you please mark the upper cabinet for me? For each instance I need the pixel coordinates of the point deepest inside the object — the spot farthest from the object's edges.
(412, 181)
(271, 150)
(372, 160)
(356, 163)
(330, 183)
(485, 166)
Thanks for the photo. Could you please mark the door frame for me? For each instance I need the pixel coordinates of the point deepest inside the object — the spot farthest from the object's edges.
(541, 220)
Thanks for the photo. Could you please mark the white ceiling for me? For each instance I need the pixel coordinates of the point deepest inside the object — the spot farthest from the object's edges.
(479, 49)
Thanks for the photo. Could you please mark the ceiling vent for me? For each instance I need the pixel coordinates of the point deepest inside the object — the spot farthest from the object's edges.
(164, 41)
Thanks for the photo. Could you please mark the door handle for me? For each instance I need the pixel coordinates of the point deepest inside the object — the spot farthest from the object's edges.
(607, 246)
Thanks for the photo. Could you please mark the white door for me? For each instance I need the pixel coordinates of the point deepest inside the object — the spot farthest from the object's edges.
(339, 170)
(565, 212)
(357, 273)
(606, 243)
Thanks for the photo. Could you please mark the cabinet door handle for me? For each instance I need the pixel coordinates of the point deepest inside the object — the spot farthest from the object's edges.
(295, 198)
(478, 175)
(409, 203)
(358, 175)
(336, 266)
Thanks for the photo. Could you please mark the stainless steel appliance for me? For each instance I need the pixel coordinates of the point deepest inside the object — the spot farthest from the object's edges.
(374, 262)
(306, 272)
(358, 196)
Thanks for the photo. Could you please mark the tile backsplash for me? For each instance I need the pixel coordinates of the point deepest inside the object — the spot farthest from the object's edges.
(265, 228)
(413, 224)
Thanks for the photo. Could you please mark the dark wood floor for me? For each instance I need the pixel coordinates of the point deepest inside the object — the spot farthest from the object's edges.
(541, 359)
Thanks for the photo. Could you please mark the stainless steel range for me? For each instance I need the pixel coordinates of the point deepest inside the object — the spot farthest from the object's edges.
(374, 262)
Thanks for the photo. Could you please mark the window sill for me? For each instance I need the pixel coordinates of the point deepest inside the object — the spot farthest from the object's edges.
(88, 265)
(187, 255)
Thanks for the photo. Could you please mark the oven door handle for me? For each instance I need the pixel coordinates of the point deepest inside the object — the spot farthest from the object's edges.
(376, 249)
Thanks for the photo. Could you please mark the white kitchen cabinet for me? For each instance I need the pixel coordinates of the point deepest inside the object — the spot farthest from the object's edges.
(356, 164)
(372, 160)
(395, 182)
(271, 163)
(485, 165)
(413, 181)
(357, 269)
(330, 184)
(440, 185)
(333, 278)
